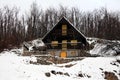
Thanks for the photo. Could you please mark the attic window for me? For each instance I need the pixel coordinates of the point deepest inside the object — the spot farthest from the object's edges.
(64, 30)
(73, 42)
(54, 43)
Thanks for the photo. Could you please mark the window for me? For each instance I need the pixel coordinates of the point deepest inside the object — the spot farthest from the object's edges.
(73, 42)
(54, 43)
(64, 30)
(73, 53)
(64, 45)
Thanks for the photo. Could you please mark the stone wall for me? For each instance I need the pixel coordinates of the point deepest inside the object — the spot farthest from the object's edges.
(70, 52)
(55, 52)
(33, 52)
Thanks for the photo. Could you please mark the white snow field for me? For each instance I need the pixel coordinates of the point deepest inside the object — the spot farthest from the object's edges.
(16, 67)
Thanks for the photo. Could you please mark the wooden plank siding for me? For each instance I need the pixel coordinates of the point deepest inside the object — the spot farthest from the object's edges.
(67, 38)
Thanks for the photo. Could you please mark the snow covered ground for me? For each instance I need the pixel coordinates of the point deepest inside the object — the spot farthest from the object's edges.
(104, 47)
(15, 67)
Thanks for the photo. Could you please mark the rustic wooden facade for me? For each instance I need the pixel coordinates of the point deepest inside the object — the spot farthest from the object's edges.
(65, 40)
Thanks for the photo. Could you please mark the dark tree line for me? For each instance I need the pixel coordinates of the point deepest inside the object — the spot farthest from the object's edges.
(14, 29)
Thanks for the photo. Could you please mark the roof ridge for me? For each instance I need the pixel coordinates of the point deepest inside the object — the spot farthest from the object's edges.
(52, 28)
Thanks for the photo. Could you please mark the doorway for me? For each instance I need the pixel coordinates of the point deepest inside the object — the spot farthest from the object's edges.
(63, 54)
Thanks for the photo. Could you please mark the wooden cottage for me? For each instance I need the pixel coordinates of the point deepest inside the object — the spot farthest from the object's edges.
(65, 40)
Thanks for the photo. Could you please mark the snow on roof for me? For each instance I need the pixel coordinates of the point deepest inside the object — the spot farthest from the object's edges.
(38, 43)
(35, 43)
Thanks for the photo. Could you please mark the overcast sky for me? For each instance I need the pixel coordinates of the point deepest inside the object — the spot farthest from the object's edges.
(84, 5)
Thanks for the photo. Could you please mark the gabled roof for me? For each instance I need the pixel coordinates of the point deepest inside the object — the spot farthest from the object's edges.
(63, 19)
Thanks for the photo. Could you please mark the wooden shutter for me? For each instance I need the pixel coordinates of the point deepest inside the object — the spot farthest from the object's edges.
(54, 43)
(64, 45)
(73, 42)
(73, 53)
(64, 30)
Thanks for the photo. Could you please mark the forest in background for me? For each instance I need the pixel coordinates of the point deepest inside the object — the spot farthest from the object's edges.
(15, 29)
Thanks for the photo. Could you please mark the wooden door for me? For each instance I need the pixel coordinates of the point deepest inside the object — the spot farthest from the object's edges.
(63, 54)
